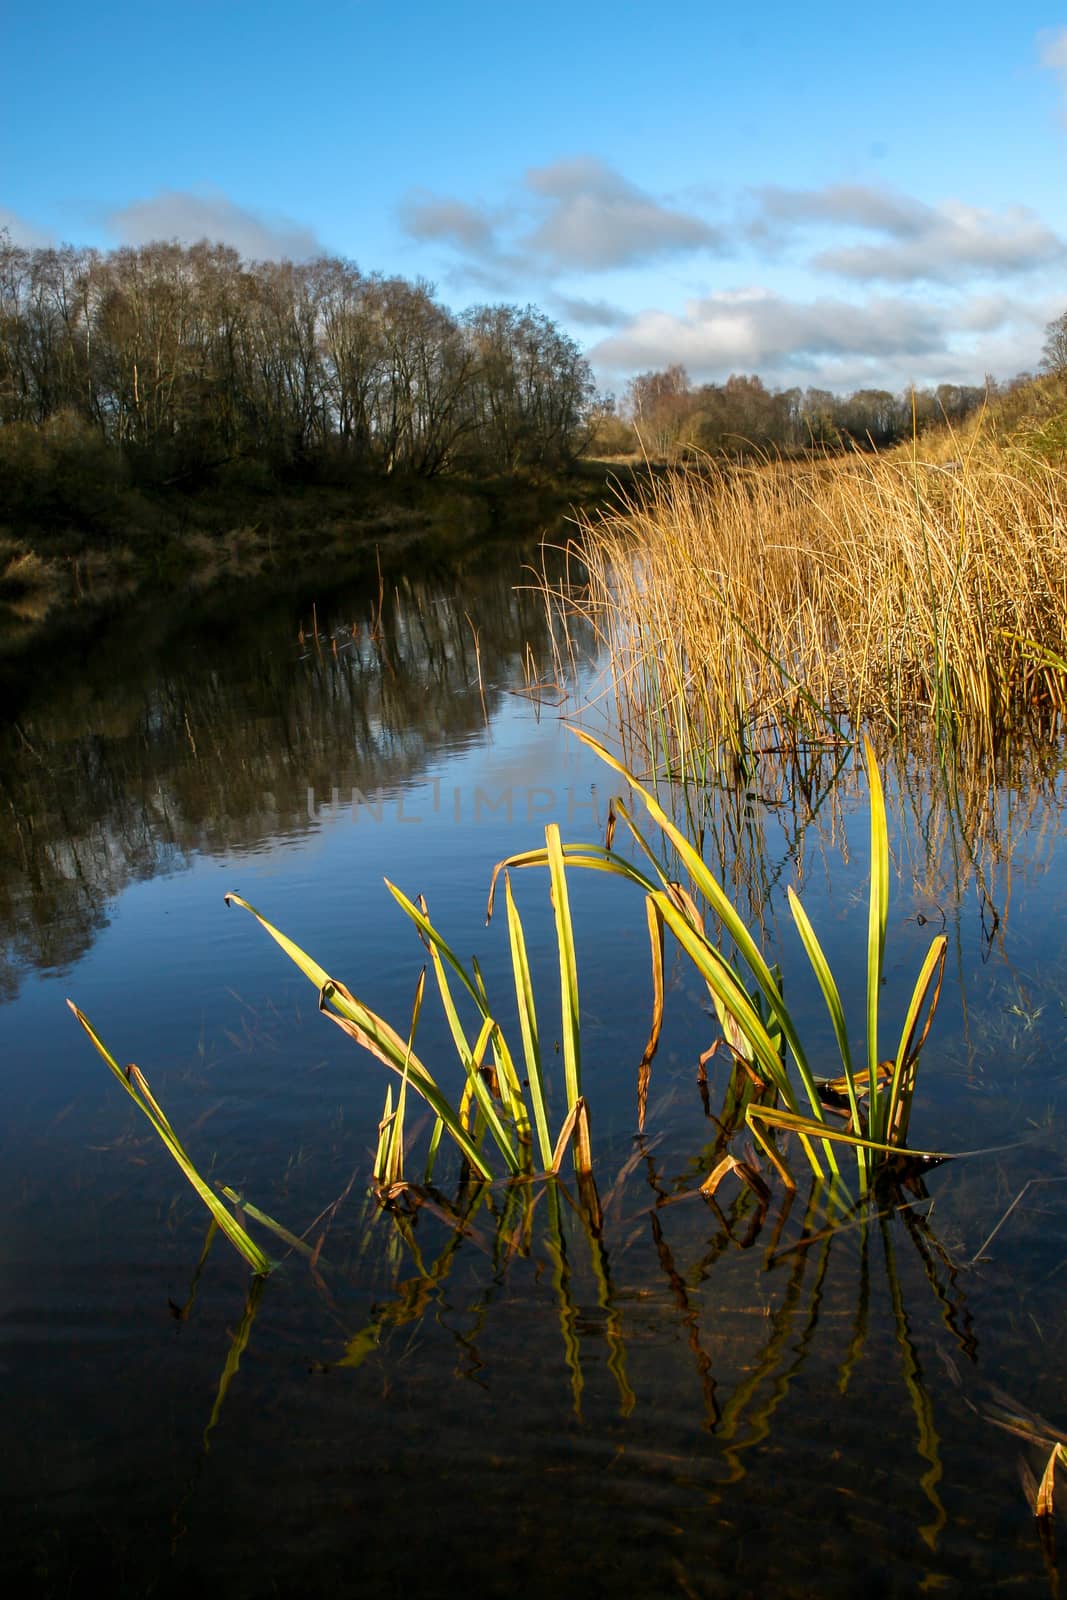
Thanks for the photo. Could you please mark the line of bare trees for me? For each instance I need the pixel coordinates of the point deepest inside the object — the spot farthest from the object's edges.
(664, 414)
(183, 357)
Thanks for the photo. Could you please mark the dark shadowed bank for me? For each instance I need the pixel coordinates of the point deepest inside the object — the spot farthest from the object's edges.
(234, 543)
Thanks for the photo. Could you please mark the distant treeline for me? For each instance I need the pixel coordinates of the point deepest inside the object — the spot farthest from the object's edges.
(174, 360)
(169, 365)
(664, 413)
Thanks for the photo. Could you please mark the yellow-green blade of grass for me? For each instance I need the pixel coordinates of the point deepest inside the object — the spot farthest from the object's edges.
(486, 1104)
(876, 925)
(568, 967)
(374, 1034)
(136, 1086)
(832, 995)
(721, 905)
(908, 1050)
(593, 857)
(528, 1023)
(396, 1153)
(725, 983)
(511, 1094)
(470, 1058)
(727, 987)
(442, 952)
(654, 918)
(266, 1221)
(808, 1128)
(432, 1149)
(380, 1168)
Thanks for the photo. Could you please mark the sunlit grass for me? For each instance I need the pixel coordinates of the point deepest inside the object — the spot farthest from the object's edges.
(499, 1112)
(757, 1023)
(136, 1086)
(746, 605)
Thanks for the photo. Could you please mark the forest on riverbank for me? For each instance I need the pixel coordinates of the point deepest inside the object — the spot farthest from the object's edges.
(176, 415)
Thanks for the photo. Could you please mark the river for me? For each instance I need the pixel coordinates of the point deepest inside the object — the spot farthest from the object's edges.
(691, 1399)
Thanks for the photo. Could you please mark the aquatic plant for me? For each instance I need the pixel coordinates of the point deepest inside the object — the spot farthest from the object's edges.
(136, 1086)
(757, 1023)
(500, 1114)
(496, 1107)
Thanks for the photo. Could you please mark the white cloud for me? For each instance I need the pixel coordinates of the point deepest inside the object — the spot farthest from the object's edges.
(856, 203)
(576, 214)
(589, 313)
(427, 216)
(1053, 50)
(178, 214)
(23, 232)
(598, 219)
(918, 242)
(830, 342)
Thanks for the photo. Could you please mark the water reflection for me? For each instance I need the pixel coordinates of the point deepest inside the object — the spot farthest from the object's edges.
(537, 1251)
(230, 733)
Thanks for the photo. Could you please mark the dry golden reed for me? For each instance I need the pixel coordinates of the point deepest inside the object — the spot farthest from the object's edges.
(747, 604)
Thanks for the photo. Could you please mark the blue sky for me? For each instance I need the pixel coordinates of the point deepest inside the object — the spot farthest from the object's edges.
(832, 195)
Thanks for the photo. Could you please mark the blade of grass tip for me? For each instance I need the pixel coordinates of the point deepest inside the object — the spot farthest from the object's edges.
(300, 958)
(832, 995)
(808, 1128)
(903, 1082)
(511, 1093)
(566, 1133)
(876, 927)
(431, 1153)
(369, 1030)
(1044, 1502)
(583, 1141)
(136, 1086)
(593, 857)
(380, 1169)
(420, 917)
(568, 967)
(524, 995)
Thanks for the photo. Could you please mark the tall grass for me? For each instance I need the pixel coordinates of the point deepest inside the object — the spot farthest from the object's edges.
(740, 605)
(757, 1023)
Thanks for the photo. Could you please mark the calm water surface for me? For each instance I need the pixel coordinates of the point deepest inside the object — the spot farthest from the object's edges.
(696, 1401)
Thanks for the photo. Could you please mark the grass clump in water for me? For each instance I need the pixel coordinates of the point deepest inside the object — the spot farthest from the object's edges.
(501, 1116)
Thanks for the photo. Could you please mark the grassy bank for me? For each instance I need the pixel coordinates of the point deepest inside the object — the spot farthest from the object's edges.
(118, 545)
(747, 606)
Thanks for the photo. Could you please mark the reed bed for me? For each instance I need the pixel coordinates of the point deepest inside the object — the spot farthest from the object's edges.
(752, 605)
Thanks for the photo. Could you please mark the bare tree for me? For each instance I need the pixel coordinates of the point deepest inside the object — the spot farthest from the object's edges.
(1054, 350)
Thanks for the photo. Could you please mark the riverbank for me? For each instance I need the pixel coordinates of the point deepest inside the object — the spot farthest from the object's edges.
(139, 547)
